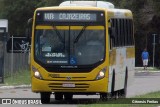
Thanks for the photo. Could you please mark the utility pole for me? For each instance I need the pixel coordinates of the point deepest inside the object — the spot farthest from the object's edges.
(154, 38)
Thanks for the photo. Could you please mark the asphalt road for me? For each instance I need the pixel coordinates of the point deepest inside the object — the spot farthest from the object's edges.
(144, 82)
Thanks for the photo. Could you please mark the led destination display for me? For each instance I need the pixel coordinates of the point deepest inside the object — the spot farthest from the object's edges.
(69, 17)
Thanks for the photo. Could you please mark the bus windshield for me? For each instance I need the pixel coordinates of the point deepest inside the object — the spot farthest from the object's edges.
(69, 45)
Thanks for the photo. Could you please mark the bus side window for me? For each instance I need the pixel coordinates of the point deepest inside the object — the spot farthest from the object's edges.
(125, 32)
(111, 33)
(131, 27)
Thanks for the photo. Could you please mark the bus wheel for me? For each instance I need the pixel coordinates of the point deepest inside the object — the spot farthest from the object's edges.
(45, 97)
(68, 96)
(58, 96)
(104, 96)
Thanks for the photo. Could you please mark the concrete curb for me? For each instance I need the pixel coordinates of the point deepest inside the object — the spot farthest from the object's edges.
(149, 69)
(138, 71)
(14, 87)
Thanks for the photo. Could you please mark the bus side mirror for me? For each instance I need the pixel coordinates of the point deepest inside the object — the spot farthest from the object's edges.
(112, 31)
(29, 28)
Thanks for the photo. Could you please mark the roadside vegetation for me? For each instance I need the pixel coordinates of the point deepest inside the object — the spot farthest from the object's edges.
(18, 78)
(127, 102)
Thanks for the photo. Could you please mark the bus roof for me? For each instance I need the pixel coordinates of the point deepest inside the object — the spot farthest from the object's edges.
(101, 4)
(70, 8)
(120, 13)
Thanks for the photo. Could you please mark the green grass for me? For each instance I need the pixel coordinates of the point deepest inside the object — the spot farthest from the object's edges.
(117, 103)
(18, 78)
(150, 95)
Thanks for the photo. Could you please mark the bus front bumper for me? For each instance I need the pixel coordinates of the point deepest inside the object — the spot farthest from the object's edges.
(96, 86)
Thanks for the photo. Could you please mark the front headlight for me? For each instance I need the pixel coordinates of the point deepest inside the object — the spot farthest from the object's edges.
(36, 73)
(101, 74)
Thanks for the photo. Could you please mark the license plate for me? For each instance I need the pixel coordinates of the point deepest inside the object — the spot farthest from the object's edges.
(69, 85)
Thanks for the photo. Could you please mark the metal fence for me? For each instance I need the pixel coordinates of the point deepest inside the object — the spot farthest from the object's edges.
(19, 62)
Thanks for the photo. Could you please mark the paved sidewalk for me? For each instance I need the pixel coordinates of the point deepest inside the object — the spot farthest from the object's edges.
(3, 86)
(149, 69)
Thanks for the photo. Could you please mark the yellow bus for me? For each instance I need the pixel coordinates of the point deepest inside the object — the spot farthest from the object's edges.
(82, 47)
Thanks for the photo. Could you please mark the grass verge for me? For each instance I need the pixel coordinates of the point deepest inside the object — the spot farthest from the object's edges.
(18, 78)
(124, 102)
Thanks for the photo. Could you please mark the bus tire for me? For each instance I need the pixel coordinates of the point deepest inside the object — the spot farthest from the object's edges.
(45, 97)
(58, 96)
(68, 96)
(104, 96)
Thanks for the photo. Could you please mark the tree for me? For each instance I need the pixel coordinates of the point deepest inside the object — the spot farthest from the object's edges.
(19, 11)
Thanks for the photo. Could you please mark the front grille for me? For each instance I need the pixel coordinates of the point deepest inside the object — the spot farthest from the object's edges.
(69, 78)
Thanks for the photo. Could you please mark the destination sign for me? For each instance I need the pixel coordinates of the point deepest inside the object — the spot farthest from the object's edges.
(63, 17)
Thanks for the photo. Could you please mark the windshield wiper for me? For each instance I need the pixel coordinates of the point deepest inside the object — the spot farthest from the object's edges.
(58, 34)
(80, 34)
